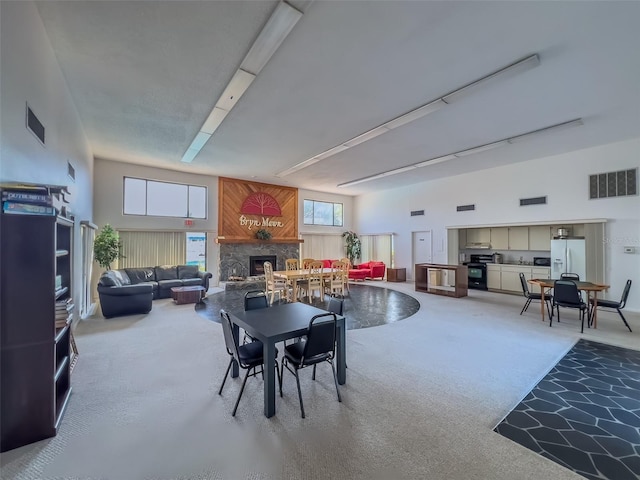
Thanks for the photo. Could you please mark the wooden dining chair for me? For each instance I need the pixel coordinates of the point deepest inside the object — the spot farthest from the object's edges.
(274, 285)
(315, 280)
(301, 284)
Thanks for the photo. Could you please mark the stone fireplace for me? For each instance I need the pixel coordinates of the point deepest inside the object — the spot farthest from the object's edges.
(256, 264)
(236, 258)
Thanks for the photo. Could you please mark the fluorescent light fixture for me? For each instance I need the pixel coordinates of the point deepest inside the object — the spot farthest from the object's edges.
(516, 67)
(482, 148)
(214, 120)
(554, 128)
(415, 114)
(433, 161)
(281, 22)
(470, 151)
(365, 137)
(312, 160)
(235, 89)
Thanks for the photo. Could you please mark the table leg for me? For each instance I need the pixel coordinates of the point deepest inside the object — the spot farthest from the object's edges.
(542, 302)
(234, 365)
(269, 356)
(341, 352)
(595, 309)
(294, 290)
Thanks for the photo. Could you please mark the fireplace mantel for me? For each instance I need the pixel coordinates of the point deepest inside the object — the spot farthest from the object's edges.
(255, 240)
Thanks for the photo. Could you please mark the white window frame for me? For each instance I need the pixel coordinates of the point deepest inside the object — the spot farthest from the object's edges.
(147, 199)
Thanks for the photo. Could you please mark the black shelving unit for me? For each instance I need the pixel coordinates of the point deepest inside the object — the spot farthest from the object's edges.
(35, 341)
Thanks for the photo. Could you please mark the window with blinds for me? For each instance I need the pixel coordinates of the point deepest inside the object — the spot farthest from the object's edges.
(149, 249)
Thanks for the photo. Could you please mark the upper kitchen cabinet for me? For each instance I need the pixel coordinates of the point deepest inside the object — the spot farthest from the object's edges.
(499, 238)
(478, 236)
(519, 238)
(540, 238)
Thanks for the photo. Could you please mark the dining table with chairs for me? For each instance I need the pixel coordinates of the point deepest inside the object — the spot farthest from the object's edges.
(591, 288)
(279, 323)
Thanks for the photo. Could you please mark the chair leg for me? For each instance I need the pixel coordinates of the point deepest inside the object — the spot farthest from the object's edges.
(225, 377)
(281, 375)
(624, 319)
(299, 391)
(313, 377)
(526, 305)
(240, 394)
(582, 320)
(549, 310)
(335, 379)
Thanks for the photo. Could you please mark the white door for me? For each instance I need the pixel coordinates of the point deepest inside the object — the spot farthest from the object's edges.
(422, 249)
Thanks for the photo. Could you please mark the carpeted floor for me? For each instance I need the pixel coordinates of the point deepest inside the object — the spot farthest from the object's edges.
(364, 306)
(585, 413)
(421, 400)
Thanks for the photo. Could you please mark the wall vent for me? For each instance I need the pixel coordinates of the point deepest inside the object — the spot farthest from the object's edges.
(465, 208)
(34, 125)
(71, 171)
(613, 184)
(533, 201)
(416, 213)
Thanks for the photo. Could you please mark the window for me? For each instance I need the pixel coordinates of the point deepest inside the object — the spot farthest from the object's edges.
(164, 199)
(322, 213)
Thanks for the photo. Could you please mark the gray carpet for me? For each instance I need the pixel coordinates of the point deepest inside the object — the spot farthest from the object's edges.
(421, 400)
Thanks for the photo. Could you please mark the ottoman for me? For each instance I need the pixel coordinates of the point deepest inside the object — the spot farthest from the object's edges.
(359, 273)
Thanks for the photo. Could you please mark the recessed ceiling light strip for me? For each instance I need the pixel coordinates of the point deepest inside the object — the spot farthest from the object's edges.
(470, 151)
(516, 67)
(281, 22)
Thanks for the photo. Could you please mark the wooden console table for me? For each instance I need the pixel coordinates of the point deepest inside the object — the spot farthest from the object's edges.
(428, 279)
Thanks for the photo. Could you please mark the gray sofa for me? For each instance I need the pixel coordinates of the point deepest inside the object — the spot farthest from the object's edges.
(131, 290)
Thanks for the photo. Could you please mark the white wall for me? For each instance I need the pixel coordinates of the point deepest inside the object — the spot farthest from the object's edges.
(29, 72)
(496, 193)
(108, 197)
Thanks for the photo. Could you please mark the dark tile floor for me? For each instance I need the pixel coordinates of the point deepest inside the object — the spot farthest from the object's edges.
(585, 414)
(365, 306)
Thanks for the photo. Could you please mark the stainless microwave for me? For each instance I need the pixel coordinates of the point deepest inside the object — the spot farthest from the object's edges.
(542, 261)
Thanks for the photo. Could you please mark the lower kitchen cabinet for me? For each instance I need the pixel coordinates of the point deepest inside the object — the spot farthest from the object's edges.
(494, 277)
(506, 278)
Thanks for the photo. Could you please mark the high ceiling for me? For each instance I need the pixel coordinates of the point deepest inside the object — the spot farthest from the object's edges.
(145, 75)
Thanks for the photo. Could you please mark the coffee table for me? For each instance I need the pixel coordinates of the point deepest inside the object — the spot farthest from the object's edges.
(182, 295)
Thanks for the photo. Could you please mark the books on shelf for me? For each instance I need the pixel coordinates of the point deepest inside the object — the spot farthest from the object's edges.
(18, 208)
(27, 197)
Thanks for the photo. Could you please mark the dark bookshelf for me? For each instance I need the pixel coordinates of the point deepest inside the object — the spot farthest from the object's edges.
(36, 353)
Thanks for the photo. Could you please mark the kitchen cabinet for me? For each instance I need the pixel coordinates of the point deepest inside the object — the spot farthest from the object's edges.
(510, 278)
(478, 235)
(462, 238)
(494, 274)
(540, 238)
(519, 238)
(499, 238)
(539, 272)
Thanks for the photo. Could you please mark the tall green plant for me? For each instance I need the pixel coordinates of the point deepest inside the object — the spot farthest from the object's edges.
(107, 247)
(352, 245)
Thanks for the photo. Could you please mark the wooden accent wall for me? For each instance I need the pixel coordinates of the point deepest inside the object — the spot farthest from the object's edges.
(278, 213)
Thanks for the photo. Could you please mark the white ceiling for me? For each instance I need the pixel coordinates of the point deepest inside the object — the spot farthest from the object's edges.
(145, 75)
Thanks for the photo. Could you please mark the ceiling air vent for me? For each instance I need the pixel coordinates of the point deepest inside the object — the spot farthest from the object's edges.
(465, 208)
(35, 125)
(417, 213)
(613, 184)
(533, 201)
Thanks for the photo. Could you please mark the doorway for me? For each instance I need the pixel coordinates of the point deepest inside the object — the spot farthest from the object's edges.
(422, 250)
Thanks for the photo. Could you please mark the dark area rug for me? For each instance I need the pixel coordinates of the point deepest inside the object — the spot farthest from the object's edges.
(364, 306)
(585, 414)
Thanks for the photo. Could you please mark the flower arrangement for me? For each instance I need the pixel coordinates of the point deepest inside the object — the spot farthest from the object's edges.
(263, 234)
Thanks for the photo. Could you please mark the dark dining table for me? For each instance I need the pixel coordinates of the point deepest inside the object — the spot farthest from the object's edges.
(277, 324)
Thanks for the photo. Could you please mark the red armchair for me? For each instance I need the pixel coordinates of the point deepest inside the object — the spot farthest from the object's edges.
(377, 269)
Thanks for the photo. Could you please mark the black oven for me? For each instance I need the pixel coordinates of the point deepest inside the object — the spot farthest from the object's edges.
(478, 271)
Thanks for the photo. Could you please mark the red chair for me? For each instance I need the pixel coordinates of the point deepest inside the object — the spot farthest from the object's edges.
(376, 269)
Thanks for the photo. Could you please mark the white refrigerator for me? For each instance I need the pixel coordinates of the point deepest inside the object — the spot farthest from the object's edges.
(568, 256)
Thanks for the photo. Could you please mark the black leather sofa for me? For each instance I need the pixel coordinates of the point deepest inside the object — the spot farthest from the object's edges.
(131, 290)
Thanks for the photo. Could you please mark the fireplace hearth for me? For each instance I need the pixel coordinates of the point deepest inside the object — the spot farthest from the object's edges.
(256, 264)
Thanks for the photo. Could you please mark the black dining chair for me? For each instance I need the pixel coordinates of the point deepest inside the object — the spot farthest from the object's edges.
(566, 294)
(254, 300)
(248, 356)
(318, 347)
(618, 306)
(570, 276)
(534, 296)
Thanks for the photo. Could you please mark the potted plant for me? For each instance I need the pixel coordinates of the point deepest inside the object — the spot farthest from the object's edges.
(107, 247)
(353, 246)
(263, 234)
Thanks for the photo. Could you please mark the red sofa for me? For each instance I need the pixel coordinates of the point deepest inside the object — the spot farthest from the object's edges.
(374, 270)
